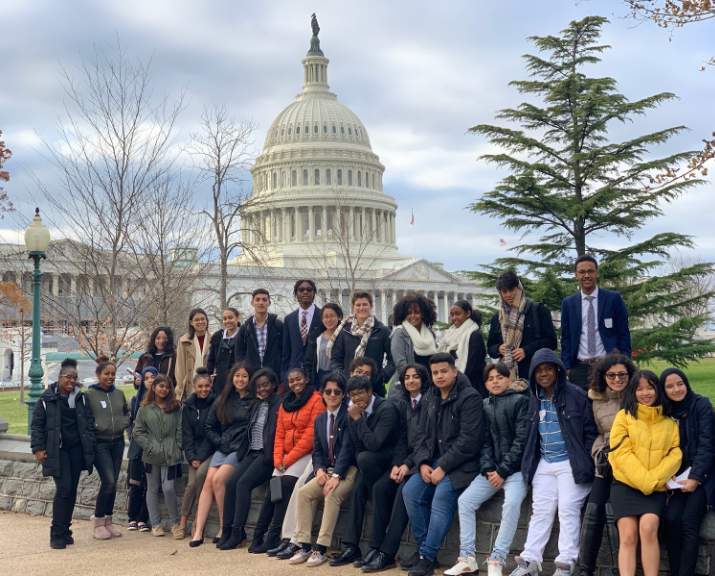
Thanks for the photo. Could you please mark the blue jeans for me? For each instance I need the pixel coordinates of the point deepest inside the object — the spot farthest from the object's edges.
(108, 461)
(478, 492)
(430, 528)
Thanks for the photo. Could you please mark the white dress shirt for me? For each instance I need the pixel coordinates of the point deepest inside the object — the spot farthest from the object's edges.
(308, 315)
(583, 340)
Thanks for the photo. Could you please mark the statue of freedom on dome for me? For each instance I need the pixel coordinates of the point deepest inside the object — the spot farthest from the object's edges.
(314, 24)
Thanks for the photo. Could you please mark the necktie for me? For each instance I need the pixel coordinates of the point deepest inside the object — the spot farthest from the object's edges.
(331, 441)
(414, 403)
(591, 328)
(304, 326)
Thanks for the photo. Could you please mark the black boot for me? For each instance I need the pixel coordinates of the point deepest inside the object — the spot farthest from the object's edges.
(226, 530)
(236, 539)
(67, 535)
(591, 535)
(272, 540)
(613, 540)
(57, 541)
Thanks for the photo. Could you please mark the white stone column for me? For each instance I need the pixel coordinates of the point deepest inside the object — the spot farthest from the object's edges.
(445, 307)
(383, 303)
(311, 224)
(73, 286)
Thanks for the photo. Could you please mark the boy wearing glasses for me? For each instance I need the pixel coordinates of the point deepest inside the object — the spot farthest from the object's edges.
(298, 325)
(334, 472)
(594, 321)
(374, 430)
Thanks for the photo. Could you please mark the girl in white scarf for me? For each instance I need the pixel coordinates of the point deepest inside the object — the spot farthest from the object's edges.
(456, 337)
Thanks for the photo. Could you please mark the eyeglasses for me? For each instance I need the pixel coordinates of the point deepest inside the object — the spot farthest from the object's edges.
(355, 394)
(304, 289)
(590, 272)
(614, 375)
(66, 377)
(333, 392)
(360, 372)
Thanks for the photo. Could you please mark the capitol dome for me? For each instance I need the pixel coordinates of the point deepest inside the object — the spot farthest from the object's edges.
(317, 185)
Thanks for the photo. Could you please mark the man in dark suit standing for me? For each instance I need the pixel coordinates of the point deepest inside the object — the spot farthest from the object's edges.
(298, 324)
(594, 321)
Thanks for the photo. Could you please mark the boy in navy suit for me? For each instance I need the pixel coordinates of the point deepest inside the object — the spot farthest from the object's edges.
(298, 324)
(594, 321)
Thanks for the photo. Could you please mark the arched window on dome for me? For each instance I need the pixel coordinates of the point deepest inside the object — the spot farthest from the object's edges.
(315, 129)
(290, 130)
(350, 131)
(359, 178)
(350, 177)
(318, 224)
(342, 129)
(316, 177)
(307, 130)
(367, 180)
(275, 180)
(276, 134)
(335, 130)
(305, 177)
(325, 129)
(283, 131)
(328, 177)
(373, 181)
(340, 177)
(283, 179)
(294, 178)
(297, 130)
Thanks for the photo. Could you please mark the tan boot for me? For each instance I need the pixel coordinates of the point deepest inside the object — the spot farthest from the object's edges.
(99, 530)
(113, 531)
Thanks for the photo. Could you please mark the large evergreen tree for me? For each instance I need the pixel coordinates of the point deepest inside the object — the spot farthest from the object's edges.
(580, 191)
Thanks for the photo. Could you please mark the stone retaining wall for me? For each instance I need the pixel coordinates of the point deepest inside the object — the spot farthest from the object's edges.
(24, 489)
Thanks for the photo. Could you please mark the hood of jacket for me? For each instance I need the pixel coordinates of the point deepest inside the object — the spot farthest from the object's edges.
(52, 392)
(607, 394)
(193, 401)
(545, 356)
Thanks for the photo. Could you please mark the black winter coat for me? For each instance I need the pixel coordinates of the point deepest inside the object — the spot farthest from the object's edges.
(228, 438)
(539, 332)
(46, 433)
(193, 428)
(700, 426)
(505, 435)
(221, 357)
(269, 429)
(451, 431)
(247, 347)
(310, 365)
(476, 362)
(378, 348)
(575, 415)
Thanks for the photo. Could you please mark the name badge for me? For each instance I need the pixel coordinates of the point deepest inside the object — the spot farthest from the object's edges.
(103, 403)
(608, 322)
(542, 415)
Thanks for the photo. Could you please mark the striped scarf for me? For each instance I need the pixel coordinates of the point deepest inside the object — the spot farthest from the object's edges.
(512, 327)
(363, 332)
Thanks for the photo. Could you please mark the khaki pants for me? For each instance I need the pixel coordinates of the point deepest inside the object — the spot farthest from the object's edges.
(310, 493)
(194, 485)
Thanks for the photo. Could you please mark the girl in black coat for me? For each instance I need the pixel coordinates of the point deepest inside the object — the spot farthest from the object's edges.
(688, 504)
(226, 427)
(62, 440)
(223, 349)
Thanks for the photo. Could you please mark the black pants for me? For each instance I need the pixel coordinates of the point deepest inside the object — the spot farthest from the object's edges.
(108, 461)
(136, 498)
(250, 473)
(270, 518)
(383, 495)
(600, 491)
(71, 464)
(579, 375)
(371, 467)
(682, 528)
(398, 522)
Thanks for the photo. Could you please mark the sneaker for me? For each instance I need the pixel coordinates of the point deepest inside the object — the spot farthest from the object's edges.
(299, 557)
(316, 559)
(410, 562)
(132, 526)
(524, 568)
(495, 565)
(144, 528)
(178, 532)
(157, 531)
(466, 565)
(564, 569)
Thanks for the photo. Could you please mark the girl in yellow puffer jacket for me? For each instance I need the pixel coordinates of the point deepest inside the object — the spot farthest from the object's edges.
(644, 455)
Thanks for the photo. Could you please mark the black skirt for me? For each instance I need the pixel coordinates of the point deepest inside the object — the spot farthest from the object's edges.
(627, 501)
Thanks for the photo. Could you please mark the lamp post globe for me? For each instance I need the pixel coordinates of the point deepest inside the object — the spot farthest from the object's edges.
(37, 240)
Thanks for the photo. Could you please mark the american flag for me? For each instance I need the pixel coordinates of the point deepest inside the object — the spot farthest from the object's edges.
(412, 222)
(502, 242)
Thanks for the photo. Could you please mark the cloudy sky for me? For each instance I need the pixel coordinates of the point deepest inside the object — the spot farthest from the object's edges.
(417, 73)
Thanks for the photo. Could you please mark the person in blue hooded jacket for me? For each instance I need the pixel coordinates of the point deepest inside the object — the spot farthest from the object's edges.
(557, 463)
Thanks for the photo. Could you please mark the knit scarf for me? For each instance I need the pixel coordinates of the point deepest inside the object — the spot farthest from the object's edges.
(511, 319)
(457, 339)
(293, 404)
(423, 341)
(363, 332)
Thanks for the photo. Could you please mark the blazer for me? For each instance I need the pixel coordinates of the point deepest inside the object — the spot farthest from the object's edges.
(247, 345)
(293, 347)
(612, 325)
(379, 431)
(343, 447)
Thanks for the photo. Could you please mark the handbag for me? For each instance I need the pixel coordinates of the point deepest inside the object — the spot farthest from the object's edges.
(276, 486)
(603, 465)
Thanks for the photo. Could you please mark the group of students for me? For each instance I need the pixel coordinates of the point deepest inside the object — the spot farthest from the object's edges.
(301, 404)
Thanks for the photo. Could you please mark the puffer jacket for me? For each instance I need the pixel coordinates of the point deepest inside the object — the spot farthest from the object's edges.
(505, 435)
(46, 429)
(159, 435)
(700, 427)
(575, 417)
(193, 427)
(451, 431)
(605, 407)
(227, 438)
(645, 451)
(294, 430)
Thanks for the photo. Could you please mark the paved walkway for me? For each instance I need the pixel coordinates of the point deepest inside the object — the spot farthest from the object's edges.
(25, 551)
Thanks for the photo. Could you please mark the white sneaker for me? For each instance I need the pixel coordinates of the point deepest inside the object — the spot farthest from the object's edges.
(300, 557)
(316, 559)
(466, 565)
(524, 569)
(564, 569)
(495, 565)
